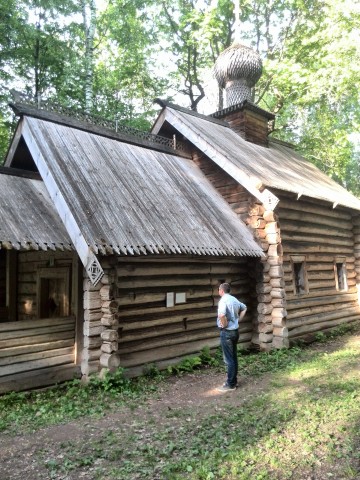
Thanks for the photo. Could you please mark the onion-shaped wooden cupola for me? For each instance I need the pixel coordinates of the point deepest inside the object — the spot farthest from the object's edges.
(237, 70)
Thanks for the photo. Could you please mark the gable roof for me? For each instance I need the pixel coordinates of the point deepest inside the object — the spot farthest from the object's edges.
(127, 199)
(254, 166)
(28, 217)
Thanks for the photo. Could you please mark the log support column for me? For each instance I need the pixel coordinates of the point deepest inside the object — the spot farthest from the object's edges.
(270, 329)
(100, 327)
(109, 358)
(356, 233)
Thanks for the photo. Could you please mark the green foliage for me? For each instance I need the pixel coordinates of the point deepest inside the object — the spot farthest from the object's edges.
(303, 424)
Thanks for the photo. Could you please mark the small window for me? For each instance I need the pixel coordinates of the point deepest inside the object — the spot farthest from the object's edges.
(340, 274)
(300, 276)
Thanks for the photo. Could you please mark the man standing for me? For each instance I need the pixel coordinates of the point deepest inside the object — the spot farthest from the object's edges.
(230, 313)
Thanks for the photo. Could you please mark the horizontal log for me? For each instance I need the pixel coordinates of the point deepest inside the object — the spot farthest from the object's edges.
(166, 354)
(317, 317)
(30, 356)
(175, 341)
(318, 327)
(36, 364)
(28, 349)
(301, 226)
(38, 323)
(308, 302)
(132, 270)
(326, 293)
(321, 239)
(309, 311)
(307, 248)
(314, 258)
(31, 340)
(35, 332)
(39, 378)
(293, 207)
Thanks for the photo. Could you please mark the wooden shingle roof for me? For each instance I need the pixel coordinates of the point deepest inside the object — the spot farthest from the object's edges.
(254, 166)
(28, 219)
(128, 199)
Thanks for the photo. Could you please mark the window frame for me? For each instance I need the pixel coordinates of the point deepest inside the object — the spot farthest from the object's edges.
(299, 260)
(340, 270)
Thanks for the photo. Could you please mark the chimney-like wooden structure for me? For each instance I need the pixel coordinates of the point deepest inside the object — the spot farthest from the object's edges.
(237, 69)
(248, 120)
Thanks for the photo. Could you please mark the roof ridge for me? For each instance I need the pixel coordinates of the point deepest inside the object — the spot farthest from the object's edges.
(98, 125)
(209, 118)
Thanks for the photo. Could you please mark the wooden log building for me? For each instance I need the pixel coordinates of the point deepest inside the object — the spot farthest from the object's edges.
(113, 243)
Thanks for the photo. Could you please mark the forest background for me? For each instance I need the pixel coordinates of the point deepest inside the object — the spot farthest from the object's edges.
(111, 58)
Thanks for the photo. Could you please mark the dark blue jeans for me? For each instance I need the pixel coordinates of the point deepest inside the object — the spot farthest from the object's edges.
(228, 342)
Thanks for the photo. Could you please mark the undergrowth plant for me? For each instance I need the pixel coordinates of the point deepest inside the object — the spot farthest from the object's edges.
(31, 410)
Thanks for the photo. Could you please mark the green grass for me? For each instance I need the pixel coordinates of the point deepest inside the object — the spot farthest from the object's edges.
(304, 423)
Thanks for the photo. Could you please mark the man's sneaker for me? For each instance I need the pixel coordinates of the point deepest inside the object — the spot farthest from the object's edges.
(226, 388)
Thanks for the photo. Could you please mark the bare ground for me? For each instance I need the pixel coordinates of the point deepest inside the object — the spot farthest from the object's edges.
(180, 399)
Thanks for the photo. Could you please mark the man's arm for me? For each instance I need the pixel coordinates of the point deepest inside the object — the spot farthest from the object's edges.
(242, 314)
(223, 320)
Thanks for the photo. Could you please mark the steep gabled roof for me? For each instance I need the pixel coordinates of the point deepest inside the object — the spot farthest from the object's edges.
(254, 166)
(28, 219)
(119, 197)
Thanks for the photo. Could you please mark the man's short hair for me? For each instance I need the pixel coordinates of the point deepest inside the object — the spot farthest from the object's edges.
(225, 287)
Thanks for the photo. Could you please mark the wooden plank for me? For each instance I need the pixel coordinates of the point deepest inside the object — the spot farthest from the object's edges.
(31, 340)
(36, 364)
(317, 317)
(39, 378)
(33, 324)
(37, 356)
(34, 332)
(23, 349)
(325, 324)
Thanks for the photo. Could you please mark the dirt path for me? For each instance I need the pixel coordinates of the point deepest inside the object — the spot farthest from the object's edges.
(180, 399)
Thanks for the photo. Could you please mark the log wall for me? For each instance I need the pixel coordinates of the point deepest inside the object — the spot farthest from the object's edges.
(28, 265)
(36, 353)
(319, 234)
(269, 292)
(149, 331)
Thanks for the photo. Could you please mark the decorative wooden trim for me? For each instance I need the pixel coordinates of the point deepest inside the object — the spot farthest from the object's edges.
(87, 257)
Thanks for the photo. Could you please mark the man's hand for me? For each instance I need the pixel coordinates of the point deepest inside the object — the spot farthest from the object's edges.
(223, 321)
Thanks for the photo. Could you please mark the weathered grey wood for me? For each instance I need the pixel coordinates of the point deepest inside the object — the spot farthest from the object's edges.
(36, 364)
(35, 324)
(38, 378)
(28, 357)
(31, 340)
